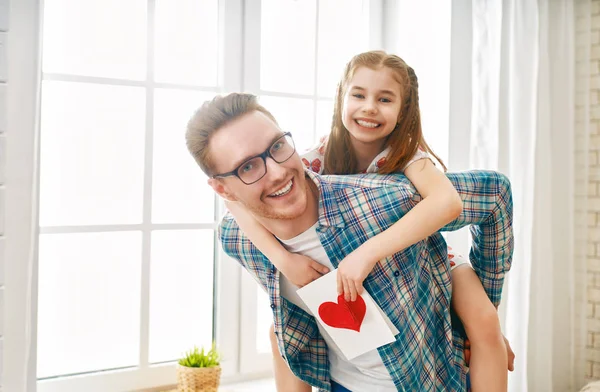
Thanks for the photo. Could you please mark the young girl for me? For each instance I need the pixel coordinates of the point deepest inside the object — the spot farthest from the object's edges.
(377, 128)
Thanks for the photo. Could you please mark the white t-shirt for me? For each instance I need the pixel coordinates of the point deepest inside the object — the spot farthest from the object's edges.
(365, 372)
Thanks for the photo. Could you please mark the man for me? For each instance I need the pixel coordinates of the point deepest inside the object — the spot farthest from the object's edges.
(249, 160)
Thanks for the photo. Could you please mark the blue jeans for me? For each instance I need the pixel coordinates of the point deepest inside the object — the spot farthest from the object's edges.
(335, 387)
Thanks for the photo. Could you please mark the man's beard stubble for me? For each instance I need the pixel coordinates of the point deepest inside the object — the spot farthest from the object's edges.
(264, 211)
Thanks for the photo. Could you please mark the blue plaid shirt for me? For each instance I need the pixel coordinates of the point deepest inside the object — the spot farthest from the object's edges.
(412, 286)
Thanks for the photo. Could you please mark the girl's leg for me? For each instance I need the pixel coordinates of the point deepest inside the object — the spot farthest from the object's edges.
(285, 380)
(488, 364)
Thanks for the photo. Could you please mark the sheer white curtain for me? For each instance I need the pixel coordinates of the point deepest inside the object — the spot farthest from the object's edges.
(523, 124)
(512, 109)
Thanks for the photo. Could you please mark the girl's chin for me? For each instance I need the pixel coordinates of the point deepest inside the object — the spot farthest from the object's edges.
(367, 139)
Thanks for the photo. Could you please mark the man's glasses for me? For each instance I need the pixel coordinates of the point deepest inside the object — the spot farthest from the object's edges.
(255, 168)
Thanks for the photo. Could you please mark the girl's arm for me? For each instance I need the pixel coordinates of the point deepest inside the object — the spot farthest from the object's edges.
(441, 204)
(300, 270)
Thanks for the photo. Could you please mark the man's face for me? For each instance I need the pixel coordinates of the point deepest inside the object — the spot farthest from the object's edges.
(281, 193)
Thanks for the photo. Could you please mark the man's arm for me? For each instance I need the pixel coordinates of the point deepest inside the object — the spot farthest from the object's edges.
(487, 206)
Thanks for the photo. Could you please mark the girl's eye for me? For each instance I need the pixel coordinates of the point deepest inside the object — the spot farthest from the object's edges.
(385, 100)
(359, 96)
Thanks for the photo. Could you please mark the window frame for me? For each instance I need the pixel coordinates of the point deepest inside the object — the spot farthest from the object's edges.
(147, 375)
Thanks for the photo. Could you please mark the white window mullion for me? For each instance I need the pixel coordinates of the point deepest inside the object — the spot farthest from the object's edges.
(374, 9)
(125, 82)
(104, 228)
(147, 209)
(251, 45)
(288, 95)
(92, 79)
(231, 54)
(227, 272)
(459, 119)
(316, 79)
(250, 361)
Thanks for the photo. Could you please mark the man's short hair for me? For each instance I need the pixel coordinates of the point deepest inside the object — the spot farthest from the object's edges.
(212, 116)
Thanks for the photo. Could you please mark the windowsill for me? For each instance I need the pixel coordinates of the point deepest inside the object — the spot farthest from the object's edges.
(260, 385)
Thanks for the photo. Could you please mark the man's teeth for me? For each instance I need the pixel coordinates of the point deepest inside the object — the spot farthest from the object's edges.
(367, 124)
(283, 190)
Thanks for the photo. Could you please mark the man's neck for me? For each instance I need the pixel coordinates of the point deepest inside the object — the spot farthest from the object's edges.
(290, 228)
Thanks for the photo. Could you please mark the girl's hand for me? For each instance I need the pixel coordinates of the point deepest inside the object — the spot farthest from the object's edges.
(509, 353)
(352, 271)
(301, 270)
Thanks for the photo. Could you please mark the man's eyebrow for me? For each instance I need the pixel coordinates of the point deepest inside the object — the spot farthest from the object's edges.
(239, 162)
(389, 92)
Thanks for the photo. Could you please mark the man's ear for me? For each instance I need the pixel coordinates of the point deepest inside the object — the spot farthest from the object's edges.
(221, 189)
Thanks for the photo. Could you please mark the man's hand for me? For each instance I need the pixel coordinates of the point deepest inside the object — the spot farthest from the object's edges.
(301, 270)
(352, 271)
(509, 353)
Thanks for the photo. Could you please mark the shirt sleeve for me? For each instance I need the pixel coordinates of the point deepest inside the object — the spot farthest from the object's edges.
(421, 154)
(381, 158)
(488, 208)
(313, 158)
(238, 247)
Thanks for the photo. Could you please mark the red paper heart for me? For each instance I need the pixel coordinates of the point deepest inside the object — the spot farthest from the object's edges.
(347, 315)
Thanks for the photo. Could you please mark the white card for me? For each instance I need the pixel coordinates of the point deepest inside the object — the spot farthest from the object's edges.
(374, 329)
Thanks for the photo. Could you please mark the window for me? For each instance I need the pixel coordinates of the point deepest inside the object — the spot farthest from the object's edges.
(130, 271)
(127, 222)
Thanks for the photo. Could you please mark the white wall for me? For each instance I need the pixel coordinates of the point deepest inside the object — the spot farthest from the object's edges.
(3, 129)
(18, 192)
(591, 86)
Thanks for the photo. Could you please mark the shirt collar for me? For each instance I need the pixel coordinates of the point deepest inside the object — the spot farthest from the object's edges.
(378, 161)
(329, 212)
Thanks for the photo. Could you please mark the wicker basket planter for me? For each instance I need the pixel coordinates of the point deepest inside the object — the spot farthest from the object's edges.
(191, 379)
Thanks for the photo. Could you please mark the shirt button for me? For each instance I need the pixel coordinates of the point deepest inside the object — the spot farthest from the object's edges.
(272, 306)
(397, 273)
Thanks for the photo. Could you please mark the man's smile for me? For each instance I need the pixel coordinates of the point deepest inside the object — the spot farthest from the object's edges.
(283, 190)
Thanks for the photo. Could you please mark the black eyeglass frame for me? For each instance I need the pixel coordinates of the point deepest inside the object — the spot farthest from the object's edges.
(266, 154)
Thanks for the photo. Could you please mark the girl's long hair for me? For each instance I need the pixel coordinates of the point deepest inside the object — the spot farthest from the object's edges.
(404, 141)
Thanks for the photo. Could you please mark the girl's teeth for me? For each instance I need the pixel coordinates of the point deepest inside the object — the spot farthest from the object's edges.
(367, 124)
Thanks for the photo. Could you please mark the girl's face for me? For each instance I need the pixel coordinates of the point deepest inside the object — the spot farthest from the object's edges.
(372, 103)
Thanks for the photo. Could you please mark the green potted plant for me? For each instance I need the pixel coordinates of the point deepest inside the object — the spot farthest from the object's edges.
(199, 371)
